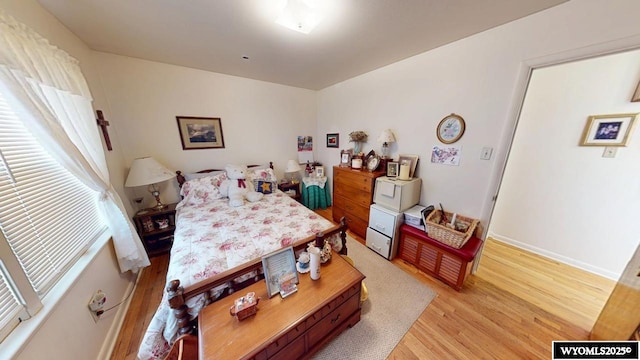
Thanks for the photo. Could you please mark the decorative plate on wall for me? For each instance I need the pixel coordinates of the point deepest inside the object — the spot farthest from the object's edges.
(450, 129)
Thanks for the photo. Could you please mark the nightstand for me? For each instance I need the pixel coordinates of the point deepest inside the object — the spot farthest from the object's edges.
(155, 228)
(287, 187)
(315, 192)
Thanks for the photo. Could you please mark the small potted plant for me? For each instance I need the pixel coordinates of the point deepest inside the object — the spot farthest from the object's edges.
(357, 138)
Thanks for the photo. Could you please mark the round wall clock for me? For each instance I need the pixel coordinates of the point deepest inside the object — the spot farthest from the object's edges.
(450, 129)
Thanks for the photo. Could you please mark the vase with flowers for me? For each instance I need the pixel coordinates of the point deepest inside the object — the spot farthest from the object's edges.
(357, 138)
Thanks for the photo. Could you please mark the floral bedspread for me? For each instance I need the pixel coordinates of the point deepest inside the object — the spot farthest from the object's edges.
(212, 237)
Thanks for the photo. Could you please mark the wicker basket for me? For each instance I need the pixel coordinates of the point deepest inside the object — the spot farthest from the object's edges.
(447, 236)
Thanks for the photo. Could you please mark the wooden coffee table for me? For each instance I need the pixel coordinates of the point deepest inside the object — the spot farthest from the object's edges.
(290, 328)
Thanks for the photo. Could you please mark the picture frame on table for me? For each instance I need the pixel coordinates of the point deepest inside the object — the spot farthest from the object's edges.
(319, 171)
(200, 132)
(345, 157)
(392, 169)
(412, 160)
(608, 130)
(333, 140)
(280, 267)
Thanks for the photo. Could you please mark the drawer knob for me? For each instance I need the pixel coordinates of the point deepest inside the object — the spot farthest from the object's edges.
(333, 321)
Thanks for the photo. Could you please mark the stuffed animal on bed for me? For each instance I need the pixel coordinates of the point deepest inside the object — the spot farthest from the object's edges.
(237, 187)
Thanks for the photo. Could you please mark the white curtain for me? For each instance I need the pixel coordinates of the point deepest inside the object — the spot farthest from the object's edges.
(51, 95)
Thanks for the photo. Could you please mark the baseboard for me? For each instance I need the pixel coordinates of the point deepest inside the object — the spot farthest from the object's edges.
(112, 336)
(557, 257)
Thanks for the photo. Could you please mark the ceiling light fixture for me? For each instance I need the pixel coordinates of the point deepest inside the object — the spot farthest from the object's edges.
(300, 15)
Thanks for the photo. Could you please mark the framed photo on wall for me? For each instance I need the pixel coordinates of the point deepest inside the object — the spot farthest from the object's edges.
(333, 140)
(200, 132)
(636, 95)
(608, 130)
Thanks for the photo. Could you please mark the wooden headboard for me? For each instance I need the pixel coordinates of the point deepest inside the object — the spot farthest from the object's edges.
(181, 179)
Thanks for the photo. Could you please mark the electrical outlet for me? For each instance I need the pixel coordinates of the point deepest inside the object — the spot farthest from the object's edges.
(96, 304)
(486, 153)
(609, 152)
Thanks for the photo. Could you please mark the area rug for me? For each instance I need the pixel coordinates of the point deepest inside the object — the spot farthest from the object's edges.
(395, 302)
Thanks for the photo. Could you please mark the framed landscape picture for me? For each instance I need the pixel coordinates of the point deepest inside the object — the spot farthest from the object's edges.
(200, 132)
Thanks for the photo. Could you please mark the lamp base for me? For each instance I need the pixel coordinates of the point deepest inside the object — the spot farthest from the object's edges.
(383, 164)
(159, 205)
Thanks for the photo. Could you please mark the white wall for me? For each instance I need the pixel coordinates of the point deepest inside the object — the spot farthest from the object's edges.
(260, 120)
(67, 330)
(479, 78)
(564, 200)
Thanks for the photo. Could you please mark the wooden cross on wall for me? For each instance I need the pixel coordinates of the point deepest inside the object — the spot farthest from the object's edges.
(103, 125)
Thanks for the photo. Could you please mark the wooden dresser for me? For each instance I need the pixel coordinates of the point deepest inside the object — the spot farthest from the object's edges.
(291, 328)
(352, 195)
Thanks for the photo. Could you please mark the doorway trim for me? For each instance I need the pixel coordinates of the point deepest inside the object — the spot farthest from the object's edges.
(523, 78)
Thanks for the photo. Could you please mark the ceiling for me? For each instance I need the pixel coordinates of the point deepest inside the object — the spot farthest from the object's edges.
(355, 37)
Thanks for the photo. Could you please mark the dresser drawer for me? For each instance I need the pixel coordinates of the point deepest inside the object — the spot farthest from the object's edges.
(333, 320)
(354, 179)
(355, 224)
(293, 350)
(383, 221)
(354, 195)
(359, 211)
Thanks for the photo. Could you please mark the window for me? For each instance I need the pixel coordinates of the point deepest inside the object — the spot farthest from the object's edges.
(48, 218)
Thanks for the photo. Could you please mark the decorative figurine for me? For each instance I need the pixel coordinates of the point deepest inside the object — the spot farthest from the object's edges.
(303, 262)
(245, 306)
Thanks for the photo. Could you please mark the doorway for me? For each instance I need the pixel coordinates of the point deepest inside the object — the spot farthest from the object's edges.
(564, 201)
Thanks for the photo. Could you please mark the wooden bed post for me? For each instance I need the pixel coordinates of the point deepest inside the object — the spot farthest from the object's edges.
(343, 235)
(177, 304)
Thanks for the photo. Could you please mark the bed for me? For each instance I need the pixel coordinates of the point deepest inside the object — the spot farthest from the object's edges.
(217, 249)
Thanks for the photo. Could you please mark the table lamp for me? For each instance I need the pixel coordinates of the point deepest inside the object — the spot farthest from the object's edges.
(147, 171)
(385, 138)
(292, 168)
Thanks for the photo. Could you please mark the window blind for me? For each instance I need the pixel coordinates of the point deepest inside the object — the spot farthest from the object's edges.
(48, 217)
(10, 306)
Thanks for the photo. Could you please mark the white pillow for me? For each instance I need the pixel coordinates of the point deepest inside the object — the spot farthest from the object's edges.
(193, 176)
(200, 190)
(264, 174)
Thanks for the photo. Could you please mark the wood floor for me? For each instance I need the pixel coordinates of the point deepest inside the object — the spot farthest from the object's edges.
(512, 308)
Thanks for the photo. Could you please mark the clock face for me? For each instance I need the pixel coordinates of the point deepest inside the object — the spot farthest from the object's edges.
(450, 129)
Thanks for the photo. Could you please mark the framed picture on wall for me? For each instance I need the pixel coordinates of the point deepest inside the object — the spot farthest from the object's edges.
(636, 95)
(608, 130)
(333, 140)
(200, 132)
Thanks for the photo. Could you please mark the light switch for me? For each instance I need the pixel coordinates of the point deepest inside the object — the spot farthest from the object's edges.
(486, 153)
(609, 152)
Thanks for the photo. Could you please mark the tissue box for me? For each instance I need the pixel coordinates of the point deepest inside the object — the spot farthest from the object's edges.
(413, 217)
